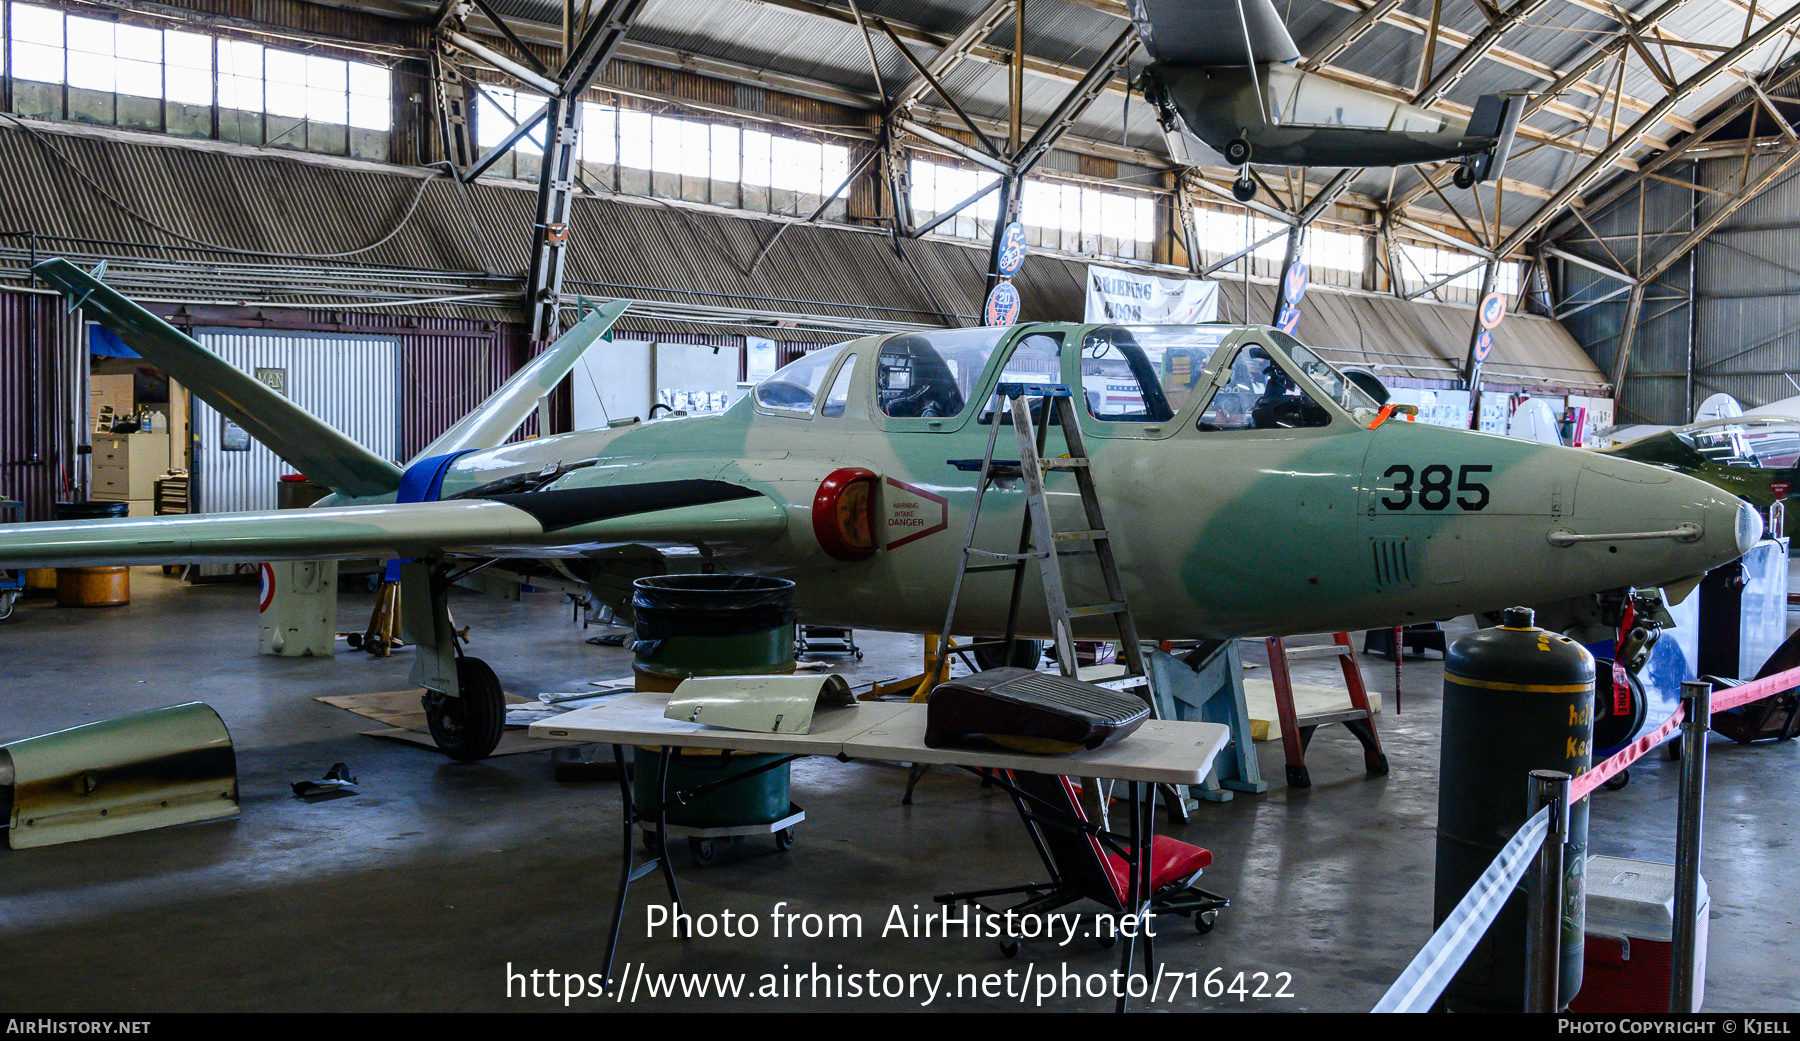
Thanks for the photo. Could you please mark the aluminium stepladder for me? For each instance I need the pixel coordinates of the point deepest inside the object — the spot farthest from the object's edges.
(1040, 541)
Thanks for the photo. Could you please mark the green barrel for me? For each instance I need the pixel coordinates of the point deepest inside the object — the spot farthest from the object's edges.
(759, 800)
(712, 625)
(1516, 699)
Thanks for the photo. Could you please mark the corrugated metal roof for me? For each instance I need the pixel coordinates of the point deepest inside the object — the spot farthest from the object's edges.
(168, 214)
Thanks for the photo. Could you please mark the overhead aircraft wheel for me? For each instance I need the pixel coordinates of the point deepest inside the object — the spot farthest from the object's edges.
(784, 839)
(1463, 177)
(467, 727)
(703, 850)
(1617, 781)
(1237, 151)
(1243, 189)
(1023, 654)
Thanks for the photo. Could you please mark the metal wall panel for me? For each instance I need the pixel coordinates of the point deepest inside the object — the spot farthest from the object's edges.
(43, 402)
(350, 382)
(1748, 278)
(442, 379)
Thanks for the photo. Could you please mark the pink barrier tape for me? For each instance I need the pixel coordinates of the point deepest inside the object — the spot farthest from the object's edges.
(1594, 778)
(1755, 690)
(1723, 700)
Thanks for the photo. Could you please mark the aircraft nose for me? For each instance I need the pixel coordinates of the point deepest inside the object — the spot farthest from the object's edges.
(1749, 527)
(1663, 522)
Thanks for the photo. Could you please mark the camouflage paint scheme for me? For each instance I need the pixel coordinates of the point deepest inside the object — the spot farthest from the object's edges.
(1762, 487)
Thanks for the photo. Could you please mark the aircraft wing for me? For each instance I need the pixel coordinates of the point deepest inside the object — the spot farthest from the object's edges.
(305, 441)
(719, 515)
(1212, 32)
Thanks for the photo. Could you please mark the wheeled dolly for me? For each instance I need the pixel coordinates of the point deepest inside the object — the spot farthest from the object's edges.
(814, 640)
(703, 842)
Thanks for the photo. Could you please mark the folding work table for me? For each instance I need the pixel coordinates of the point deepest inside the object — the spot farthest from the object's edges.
(1159, 752)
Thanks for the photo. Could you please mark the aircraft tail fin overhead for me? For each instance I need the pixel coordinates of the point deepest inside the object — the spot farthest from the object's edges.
(494, 420)
(306, 442)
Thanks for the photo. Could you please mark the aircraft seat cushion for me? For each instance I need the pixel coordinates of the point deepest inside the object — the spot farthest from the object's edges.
(1171, 861)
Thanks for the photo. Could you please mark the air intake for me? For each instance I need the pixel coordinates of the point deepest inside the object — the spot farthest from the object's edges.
(1393, 563)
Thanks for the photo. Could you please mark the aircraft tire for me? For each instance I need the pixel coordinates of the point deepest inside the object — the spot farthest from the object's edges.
(1237, 151)
(1243, 189)
(468, 726)
(1463, 178)
(1023, 654)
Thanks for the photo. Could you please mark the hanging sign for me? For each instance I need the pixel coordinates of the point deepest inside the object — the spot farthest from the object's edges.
(1493, 308)
(1012, 250)
(1293, 286)
(1484, 345)
(1002, 305)
(1126, 296)
(1289, 320)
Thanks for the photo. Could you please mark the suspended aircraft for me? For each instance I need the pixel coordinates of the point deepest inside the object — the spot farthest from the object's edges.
(1249, 490)
(1226, 72)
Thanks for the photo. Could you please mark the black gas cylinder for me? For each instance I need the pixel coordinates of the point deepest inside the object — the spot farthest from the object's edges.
(1516, 699)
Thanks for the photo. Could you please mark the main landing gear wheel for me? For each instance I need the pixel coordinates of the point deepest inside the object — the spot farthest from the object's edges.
(1023, 654)
(1463, 178)
(1237, 151)
(1243, 189)
(468, 726)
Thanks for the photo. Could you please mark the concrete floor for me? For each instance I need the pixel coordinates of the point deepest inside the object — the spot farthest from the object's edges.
(417, 893)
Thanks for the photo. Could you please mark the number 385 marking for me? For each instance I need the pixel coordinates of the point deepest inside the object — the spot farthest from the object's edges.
(1433, 489)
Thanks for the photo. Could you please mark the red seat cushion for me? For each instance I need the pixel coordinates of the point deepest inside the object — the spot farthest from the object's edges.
(1171, 861)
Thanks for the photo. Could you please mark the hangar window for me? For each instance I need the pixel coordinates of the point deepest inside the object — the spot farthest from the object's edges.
(668, 156)
(1146, 373)
(795, 386)
(931, 375)
(498, 111)
(1060, 216)
(1261, 396)
(1458, 275)
(1333, 257)
(102, 70)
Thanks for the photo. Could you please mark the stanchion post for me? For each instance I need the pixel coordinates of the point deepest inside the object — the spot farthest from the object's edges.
(1543, 907)
(1696, 704)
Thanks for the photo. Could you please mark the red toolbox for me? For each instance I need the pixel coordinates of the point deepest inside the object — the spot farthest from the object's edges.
(1630, 918)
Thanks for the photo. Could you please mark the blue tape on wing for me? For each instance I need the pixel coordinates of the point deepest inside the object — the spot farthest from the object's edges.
(423, 481)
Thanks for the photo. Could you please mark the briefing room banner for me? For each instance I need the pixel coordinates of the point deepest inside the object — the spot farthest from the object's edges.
(1126, 296)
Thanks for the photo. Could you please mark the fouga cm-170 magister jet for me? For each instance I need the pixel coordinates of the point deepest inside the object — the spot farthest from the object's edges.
(1249, 490)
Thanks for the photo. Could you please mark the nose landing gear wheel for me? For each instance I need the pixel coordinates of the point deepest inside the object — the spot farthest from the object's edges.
(468, 726)
(1243, 189)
